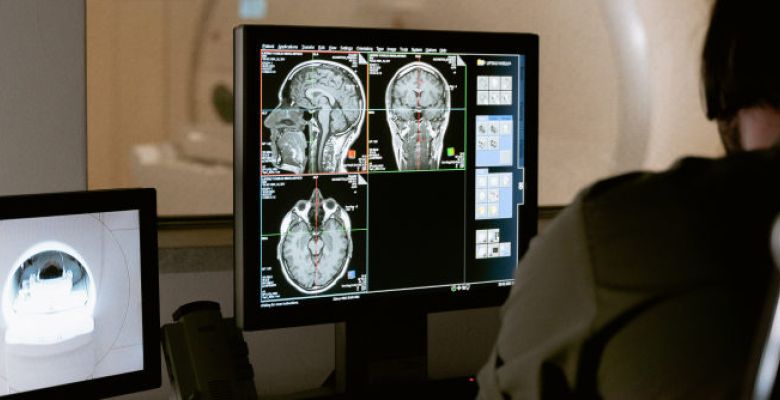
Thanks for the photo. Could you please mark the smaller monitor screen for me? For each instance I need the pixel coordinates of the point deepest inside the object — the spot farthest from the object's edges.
(71, 300)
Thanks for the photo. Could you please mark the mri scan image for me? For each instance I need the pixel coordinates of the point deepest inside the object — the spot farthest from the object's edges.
(418, 109)
(316, 244)
(320, 112)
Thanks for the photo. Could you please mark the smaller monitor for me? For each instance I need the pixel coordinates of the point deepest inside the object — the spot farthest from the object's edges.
(79, 308)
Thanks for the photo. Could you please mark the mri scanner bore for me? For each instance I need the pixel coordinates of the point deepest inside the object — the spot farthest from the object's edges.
(71, 299)
(50, 294)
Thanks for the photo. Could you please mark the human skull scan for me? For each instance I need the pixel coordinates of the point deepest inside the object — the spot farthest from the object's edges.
(316, 244)
(320, 114)
(418, 111)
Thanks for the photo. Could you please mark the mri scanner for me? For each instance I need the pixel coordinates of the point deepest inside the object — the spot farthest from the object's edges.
(68, 309)
(193, 170)
(620, 87)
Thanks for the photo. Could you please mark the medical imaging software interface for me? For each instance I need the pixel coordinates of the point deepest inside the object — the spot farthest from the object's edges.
(387, 169)
(71, 299)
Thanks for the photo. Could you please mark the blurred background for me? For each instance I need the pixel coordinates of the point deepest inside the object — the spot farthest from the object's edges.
(619, 85)
(619, 91)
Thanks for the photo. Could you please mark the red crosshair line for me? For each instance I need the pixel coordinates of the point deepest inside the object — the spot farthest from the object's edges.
(419, 118)
(316, 225)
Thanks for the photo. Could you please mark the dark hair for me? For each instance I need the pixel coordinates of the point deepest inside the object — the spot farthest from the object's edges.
(741, 57)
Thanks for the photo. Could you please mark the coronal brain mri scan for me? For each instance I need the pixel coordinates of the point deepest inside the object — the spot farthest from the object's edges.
(320, 111)
(316, 245)
(71, 301)
(418, 109)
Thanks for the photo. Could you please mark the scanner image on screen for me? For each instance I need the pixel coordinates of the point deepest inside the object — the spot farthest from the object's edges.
(315, 239)
(417, 113)
(317, 115)
(418, 110)
(387, 169)
(71, 299)
(316, 243)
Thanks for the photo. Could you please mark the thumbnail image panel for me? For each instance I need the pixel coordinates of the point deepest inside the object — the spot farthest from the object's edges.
(313, 112)
(416, 117)
(314, 238)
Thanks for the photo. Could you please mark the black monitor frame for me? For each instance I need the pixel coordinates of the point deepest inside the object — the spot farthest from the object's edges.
(70, 203)
(247, 42)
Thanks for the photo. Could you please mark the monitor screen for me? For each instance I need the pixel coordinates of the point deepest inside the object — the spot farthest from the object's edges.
(75, 279)
(379, 168)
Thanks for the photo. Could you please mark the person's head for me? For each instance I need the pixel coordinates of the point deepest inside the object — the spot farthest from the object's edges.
(741, 72)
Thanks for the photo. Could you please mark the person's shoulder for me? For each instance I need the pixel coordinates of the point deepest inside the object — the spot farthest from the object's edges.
(691, 176)
(700, 212)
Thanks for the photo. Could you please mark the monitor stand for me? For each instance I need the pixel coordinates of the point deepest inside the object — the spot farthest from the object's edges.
(380, 352)
(384, 357)
(377, 357)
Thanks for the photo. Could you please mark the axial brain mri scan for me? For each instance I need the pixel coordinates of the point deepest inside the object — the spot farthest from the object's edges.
(418, 110)
(320, 111)
(316, 245)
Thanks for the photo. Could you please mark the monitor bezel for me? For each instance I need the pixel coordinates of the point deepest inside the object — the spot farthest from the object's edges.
(247, 42)
(74, 203)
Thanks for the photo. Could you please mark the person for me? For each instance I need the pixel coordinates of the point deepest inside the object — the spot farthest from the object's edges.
(651, 285)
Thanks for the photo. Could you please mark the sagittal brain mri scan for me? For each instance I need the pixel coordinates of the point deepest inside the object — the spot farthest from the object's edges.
(320, 112)
(418, 110)
(316, 245)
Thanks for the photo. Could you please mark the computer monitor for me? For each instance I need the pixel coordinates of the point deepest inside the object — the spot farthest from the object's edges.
(80, 309)
(380, 174)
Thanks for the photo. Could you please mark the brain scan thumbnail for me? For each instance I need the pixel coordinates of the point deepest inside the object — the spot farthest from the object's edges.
(418, 109)
(316, 245)
(319, 115)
